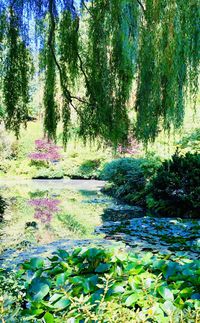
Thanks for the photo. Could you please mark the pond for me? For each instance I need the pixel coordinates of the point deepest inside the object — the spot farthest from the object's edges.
(45, 215)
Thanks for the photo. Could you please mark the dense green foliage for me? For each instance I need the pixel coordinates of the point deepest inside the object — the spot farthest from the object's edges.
(170, 188)
(127, 179)
(97, 52)
(102, 286)
(167, 64)
(176, 189)
(190, 142)
(2, 206)
(49, 173)
(17, 71)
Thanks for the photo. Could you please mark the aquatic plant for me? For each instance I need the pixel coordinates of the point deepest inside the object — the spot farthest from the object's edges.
(101, 285)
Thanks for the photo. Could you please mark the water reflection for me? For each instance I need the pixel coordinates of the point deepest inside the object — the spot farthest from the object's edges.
(45, 208)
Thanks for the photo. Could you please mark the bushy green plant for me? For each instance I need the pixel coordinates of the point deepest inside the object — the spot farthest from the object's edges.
(3, 205)
(127, 179)
(150, 165)
(117, 170)
(49, 173)
(175, 190)
(102, 286)
(89, 169)
(191, 142)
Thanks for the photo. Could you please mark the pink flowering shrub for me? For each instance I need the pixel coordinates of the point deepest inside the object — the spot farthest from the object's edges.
(45, 150)
(45, 208)
(132, 148)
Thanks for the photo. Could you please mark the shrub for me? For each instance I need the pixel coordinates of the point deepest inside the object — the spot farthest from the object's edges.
(95, 285)
(190, 142)
(127, 179)
(49, 173)
(150, 165)
(89, 169)
(175, 190)
(2, 206)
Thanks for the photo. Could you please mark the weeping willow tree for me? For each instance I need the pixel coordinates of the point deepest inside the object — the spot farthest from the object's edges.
(106, 46)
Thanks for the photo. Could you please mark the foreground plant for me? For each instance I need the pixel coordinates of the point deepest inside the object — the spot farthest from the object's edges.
(94, 285)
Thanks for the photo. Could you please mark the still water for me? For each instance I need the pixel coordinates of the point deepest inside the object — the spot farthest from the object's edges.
(44, 215)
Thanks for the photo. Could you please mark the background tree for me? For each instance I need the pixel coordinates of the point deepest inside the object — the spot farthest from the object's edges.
(104, 45)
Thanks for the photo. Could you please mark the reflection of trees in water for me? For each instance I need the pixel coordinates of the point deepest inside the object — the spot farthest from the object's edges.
(45, 208)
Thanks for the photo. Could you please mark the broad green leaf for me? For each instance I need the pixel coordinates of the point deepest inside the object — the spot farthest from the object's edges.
(168, 307)
(195, 296)
(186, 292)
(61, 279)
(48, 317)
(132, 299)
(63, 254)
(39, 289)
(166, 293)
(37, 263)
(62, 303)
(55, 297)
(32, 312)
(102, 268)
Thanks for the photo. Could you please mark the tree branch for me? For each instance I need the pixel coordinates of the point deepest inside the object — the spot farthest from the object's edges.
(141, 5)
(65, 90)
(88, 10)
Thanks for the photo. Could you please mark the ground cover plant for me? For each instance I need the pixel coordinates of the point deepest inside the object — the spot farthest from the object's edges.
(93, 284)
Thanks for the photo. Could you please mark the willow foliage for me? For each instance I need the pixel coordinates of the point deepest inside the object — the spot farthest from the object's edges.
(168, 64)
(17, 72)
(101, 47)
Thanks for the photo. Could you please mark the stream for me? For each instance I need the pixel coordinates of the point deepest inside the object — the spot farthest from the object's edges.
(45, 215)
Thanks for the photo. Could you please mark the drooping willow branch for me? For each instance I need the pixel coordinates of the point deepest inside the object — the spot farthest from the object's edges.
(68, 97)
(154, 42)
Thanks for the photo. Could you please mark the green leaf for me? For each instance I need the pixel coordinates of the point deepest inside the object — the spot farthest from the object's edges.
(37, 263)
(134, 269)
(63, 254)
(55, 297)
(62, 303)
(48, 317)
(39, 288)
(195, 296)
(61, 279)
(31, 313)
(168, 307)
(132, 299)
(166, 293)
(186, 292)
(102, 268)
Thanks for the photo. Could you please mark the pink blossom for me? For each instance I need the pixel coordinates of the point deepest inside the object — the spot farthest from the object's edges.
(45, 150)
(44, 208)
